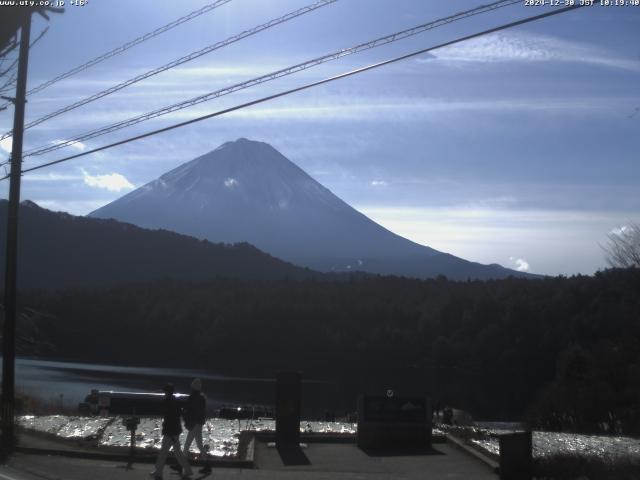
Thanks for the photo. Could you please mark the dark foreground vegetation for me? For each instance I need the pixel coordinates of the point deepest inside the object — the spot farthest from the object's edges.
(576, 466)
(60, 250)
(562, 352)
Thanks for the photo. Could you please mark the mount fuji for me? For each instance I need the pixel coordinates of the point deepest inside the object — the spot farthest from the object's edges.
(247, 191)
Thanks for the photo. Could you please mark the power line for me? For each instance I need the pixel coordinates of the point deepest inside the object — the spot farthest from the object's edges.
(272, 76)
(11, 45)
(128, 45)
(180, 61)
(9, 68)
(39, 37)
(9, 82)
(15, 60)
(5, 87)
(307, 86)
(4, 53)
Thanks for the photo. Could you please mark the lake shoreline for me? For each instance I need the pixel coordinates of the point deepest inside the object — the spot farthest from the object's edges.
(64, 385)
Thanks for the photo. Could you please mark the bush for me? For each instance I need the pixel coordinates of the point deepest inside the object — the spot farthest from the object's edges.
(574, 467)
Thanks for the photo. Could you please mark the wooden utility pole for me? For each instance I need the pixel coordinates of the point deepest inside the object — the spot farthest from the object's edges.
(10, 309)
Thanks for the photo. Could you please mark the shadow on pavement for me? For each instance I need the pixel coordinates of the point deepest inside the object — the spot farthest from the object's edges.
(203, 473)
(292, 455)
(401, 452)
(201, 476)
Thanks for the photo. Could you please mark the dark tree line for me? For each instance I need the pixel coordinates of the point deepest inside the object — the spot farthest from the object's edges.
(60, 250)
(564, 352)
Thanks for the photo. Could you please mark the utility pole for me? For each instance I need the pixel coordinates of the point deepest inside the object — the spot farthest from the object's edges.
(10, 289)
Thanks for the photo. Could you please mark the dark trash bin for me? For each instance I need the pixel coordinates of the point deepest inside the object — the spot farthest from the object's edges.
(516, 461)
(288, 408)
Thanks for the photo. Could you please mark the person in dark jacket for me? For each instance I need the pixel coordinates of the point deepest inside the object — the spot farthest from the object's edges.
(194, 417)
(171, 429)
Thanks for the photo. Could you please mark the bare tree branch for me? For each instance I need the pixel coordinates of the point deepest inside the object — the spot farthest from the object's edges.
(10, 47)
(623, 246)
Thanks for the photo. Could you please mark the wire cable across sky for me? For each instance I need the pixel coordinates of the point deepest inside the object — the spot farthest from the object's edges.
(126, 46)
(130, 44)
(180, 61)
(306, 86)
(272, 76)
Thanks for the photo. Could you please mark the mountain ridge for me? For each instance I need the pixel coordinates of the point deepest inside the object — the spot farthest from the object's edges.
(59, 250)
(247, 191)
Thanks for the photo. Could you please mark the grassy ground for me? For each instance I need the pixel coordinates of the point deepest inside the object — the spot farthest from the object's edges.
(574, 467)
(566, 466)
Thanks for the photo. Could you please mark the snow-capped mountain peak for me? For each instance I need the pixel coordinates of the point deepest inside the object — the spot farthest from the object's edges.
(247, 191)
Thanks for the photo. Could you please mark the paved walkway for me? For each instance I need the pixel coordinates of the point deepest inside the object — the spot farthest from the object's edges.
(319, 461)
(347, 461)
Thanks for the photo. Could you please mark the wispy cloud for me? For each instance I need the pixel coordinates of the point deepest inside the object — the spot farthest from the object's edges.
(380, 110)
(178, 76)
(113, 182)
(75, 207)
(528, 47)
(77, 145)
(360, 108)
(51, 177)
(6, 144)
(206, 72)
(520, 264)
(230, 182)
(554, 242)
(378, 183)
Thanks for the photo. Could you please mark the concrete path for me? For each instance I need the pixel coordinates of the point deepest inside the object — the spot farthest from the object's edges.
(347, 461)
(318, 461)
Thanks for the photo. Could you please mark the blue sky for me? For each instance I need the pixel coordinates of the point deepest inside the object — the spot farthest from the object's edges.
(518, 148)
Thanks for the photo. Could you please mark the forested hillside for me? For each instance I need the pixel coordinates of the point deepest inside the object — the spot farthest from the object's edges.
(502, 349)
(60, 250)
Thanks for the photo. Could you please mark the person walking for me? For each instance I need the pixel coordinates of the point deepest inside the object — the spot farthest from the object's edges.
(194, 417)
(171, 429)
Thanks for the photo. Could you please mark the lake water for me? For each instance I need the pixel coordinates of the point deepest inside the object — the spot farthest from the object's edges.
(68, 383)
